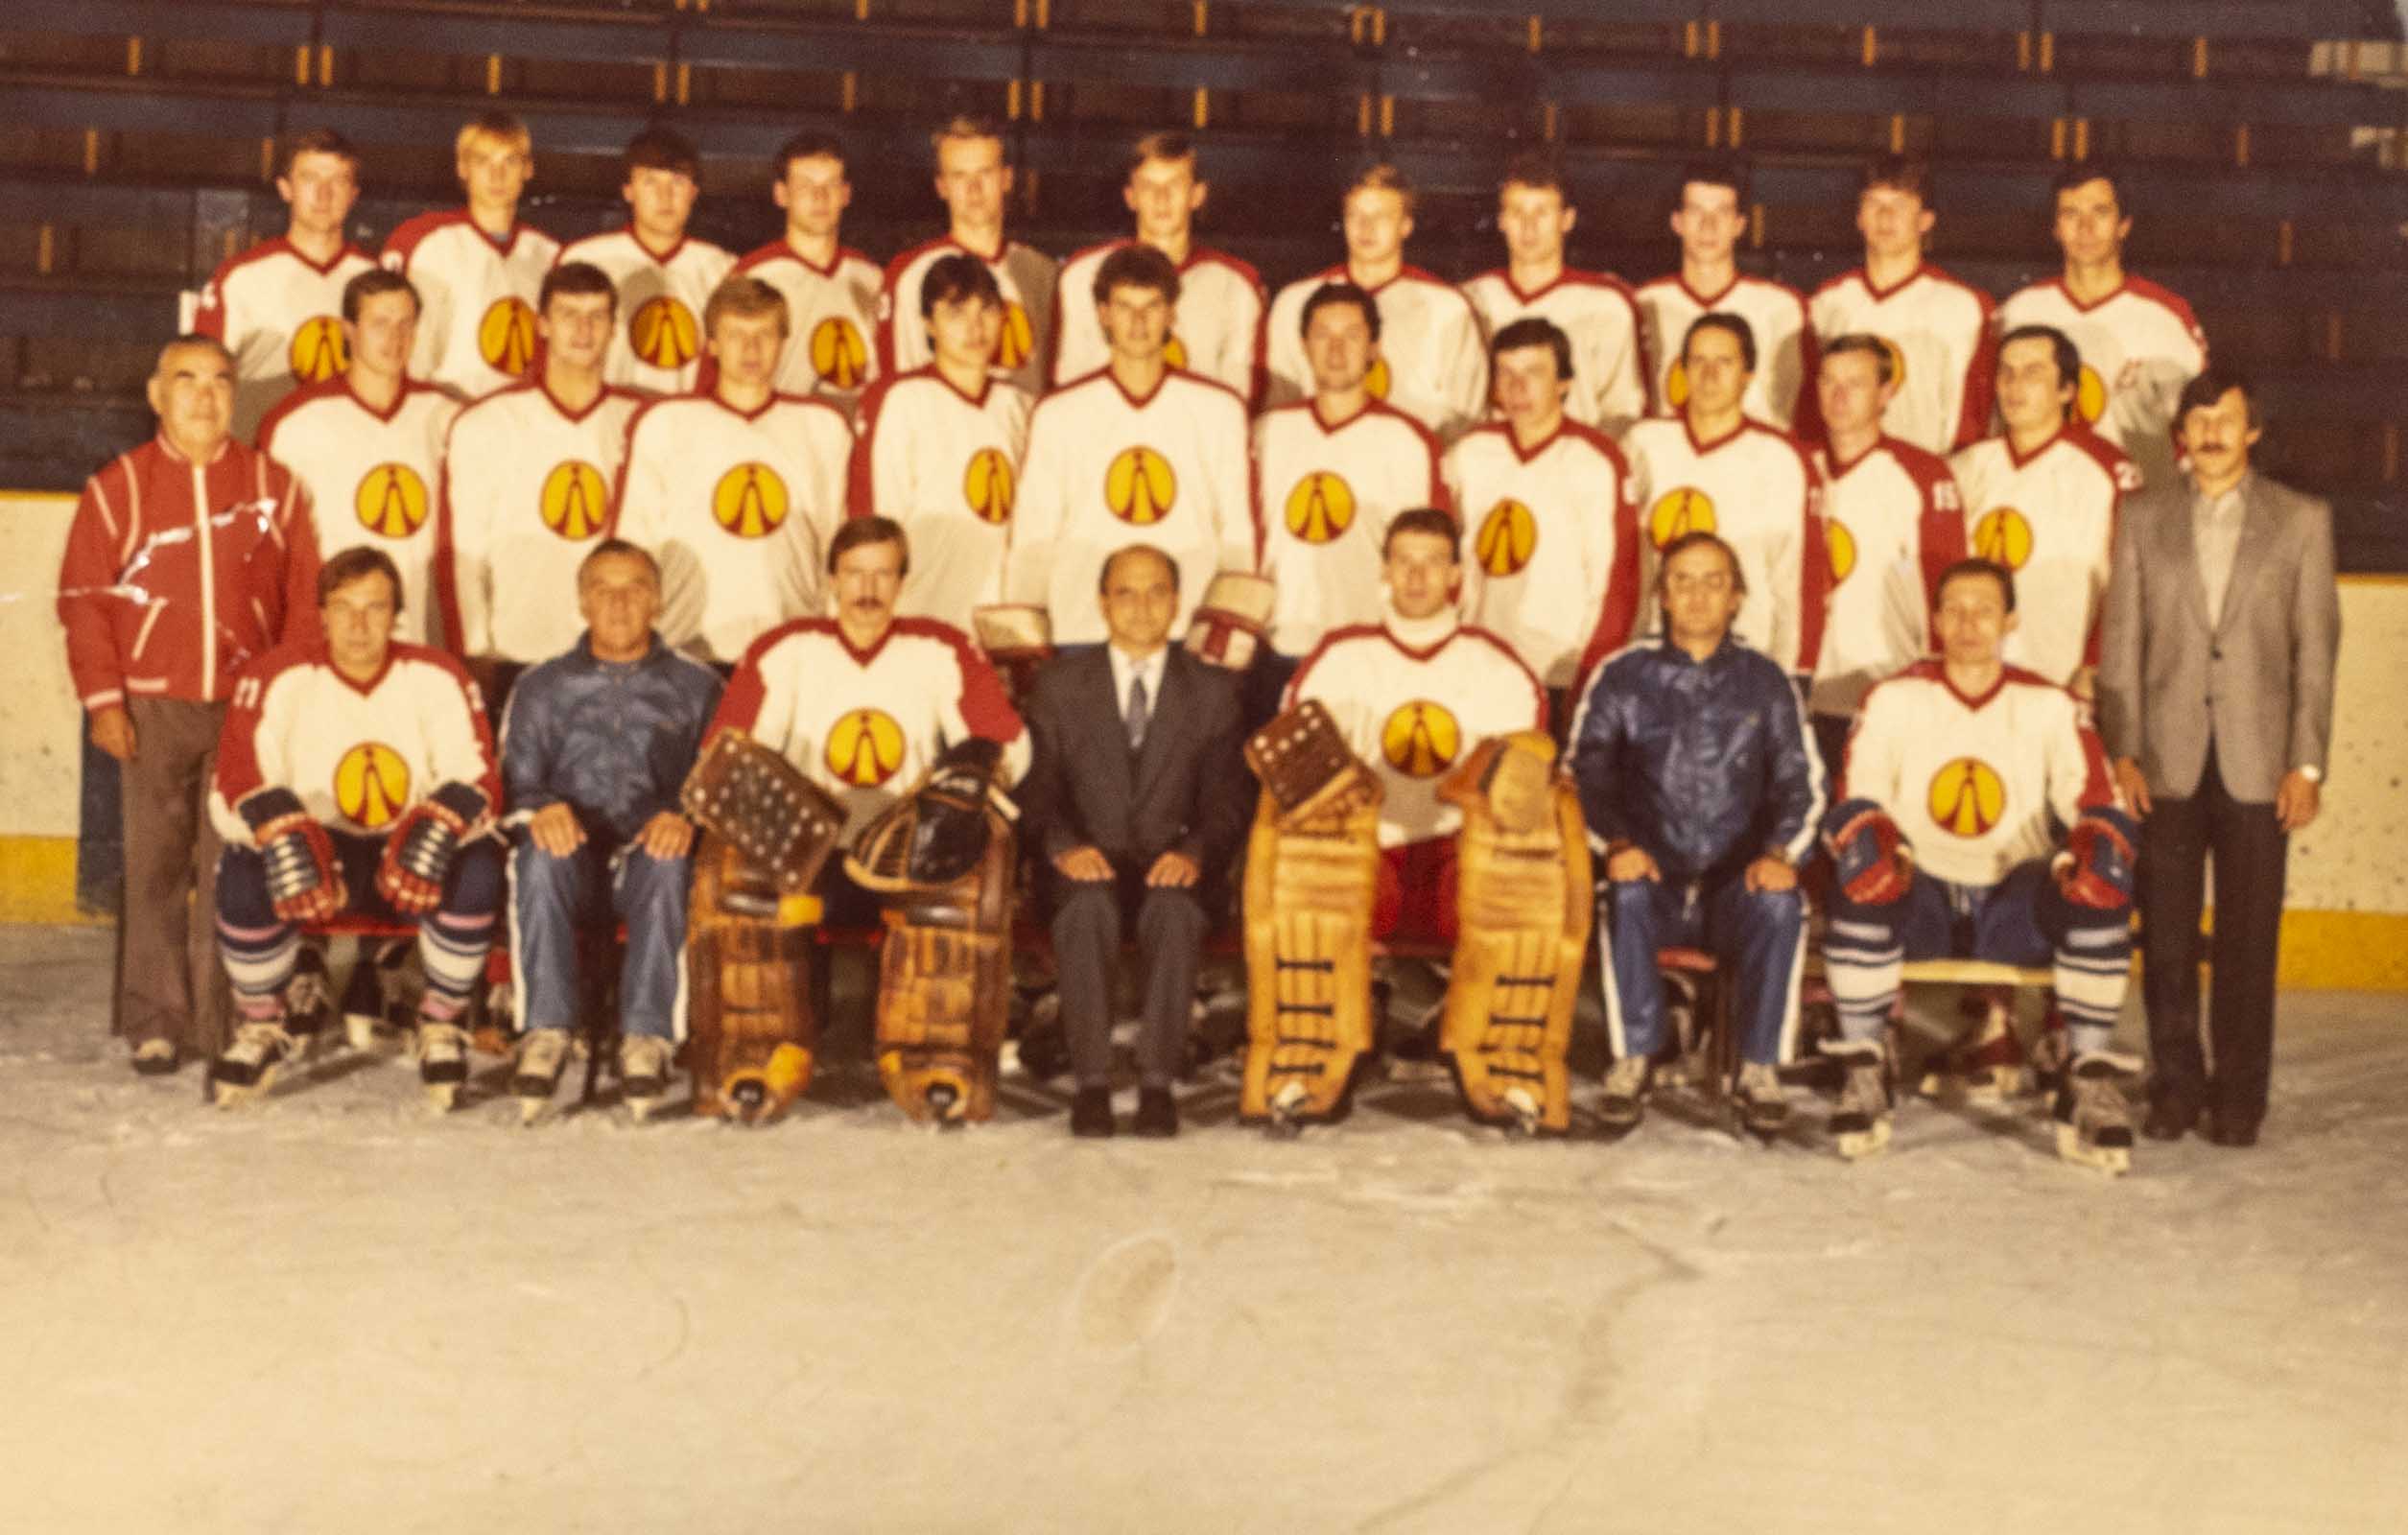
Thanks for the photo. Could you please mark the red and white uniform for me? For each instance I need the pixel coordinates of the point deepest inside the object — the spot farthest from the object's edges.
(477, 298)
(945, 465)
(1433, 363)
(358, 755)
(1106, 469)
(374, 477)
(659, 346)
(280, 314)
(1892, 522)
(1027, 277)
(1325, 496)
(1411, 699)
(179, 574)
(865, 724)
(1775, 312)
(2050, 518)
(1973, 783)
(1551, 557)
(832, 315)
(526, 495)
(2140, 346)
(1609, 384)
(1760, 491)
(1216, 333)
(1939, 339)
(738, 509)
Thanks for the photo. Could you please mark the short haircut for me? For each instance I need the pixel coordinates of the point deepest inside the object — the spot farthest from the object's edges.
(744, 296)
(317, 141)
(1701, 539)
(2069, 355)
(1539, 172)
(2212, 385)
(1435, 521)
(1901, 173)
(374, 283)
(1341, 292)
(2082, 173)
(499, 127)
(1865, 343)
(963, 125)
(952, 278)
(1103, 577)
(575, 278)
(1978, 566)
(621, 547)
(356, 563)
(1534, 330)
(805, 146)
(194, 341)
(1381, 176)
(1722, 319)
(860, 531)
(661, 148)
(1169, 147)
(1137, 266)
(1717, 172)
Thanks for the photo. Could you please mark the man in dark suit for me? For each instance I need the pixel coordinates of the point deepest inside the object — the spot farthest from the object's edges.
(1137, 799)
(2215, 695)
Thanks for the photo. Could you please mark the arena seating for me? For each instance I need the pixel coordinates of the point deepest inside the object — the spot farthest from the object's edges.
(138, 148)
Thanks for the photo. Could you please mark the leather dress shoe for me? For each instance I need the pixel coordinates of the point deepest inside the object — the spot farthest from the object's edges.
(1157, 1115)
(2171, 1119)
(2222, 1131)
(1091, 1112)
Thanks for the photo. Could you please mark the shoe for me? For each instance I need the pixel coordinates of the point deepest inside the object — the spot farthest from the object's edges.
(1157, 1114)
(442, 1061)
(2236, 1133)
(2095, 1122)
(155, 1058)
(643, 1073)
(1045, 1051)
(1091, 1113)
(1861, 1122)
(247, 1068)
(1763, 1108)
(2171, 1118)
(1624, 1101)
(540, 1057)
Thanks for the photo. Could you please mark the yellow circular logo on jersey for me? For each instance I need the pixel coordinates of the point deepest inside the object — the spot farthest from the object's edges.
(865, 749)
(372, 785)
(1898, 360)
(390, 500)
(1421, 738)
(988, 485)
(1018, 337)
(1376, 382)
(1507, 539)
(1174, 352)
(838, 355)
(1320, 507)
(1676, 386)
(2089, 395)
(1685, 510)
(2003, 536)
(575, 502)
(1966, 798)
(662, 333)
(749, 501)
(1841, 546)
(319, 350)
(505, 338)
(1139, 487)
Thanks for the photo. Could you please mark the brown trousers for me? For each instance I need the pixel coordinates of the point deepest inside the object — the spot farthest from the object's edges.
(169, 983)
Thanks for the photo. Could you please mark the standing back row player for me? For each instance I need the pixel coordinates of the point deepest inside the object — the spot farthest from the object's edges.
(664, 275)
(1708, 221)
(477, 269)
(831, 290)
(1608, 373)
(973, 180)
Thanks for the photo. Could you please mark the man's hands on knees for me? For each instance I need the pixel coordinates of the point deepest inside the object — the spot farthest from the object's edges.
(1174, 870)
(112, 731)
(1083, 864)
(1771, 872)
(1630, 861)
(555, 829)
(666, 836)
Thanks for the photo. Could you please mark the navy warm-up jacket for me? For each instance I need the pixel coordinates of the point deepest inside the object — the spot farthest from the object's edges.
(615, 740)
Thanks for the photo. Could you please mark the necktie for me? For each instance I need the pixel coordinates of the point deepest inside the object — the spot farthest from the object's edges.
(1137, 715)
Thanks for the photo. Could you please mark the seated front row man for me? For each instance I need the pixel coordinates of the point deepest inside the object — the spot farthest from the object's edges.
(354, 774)
(596, 743)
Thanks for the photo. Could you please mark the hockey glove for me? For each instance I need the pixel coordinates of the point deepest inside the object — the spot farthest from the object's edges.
(419, 852)
(1868, 853)
(2101, 847)
(1228, 625)
(304, 883)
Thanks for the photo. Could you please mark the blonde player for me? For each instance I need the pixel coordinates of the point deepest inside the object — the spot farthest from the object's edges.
(477, 269)
(831, 292)
(973, 181)
(663, 274)
(1534, 214)
(1709, 220)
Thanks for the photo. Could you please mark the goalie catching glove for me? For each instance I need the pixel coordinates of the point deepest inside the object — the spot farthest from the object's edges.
(418, 854)
(2101, 848)
(1869, 854)
(304, 883)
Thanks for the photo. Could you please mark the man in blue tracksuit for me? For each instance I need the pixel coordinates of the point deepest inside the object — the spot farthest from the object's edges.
(1701, 784)
(596, 743)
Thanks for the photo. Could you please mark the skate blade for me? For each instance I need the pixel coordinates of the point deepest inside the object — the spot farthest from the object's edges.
(1857, 1144)
(359, 1029)
(2114, 1161)
(237, 1096)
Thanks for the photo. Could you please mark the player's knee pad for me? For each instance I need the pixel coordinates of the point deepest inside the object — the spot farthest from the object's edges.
(751, 1035)
(1308, 890)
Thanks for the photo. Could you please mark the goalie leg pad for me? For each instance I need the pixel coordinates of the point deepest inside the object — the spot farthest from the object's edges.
(751, 1036)
(944, 991)
(1308, 895)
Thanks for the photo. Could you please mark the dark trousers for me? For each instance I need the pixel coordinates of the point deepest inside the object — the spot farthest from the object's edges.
(2249, 847)
(1088, 917)
(168, 986)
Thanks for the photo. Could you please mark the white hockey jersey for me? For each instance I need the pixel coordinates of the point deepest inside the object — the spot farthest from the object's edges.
(1105, 470)
(280, 314)
(658, 347)
(1324, 496)
(832, 318)
(738, 509)
(527, 488)
(1609, 375)
(1892, 523)
(1433, 363)
(1027, 277)
(1551, 557)
(2050, 518)
(374, 477)
(1939, 337)
(947, 467)
(2140, 346)
(1775, 313)
(477, 299)
(1215, 334)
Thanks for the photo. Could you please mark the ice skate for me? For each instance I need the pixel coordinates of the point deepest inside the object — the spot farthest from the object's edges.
(442, 1061)
(643, 1073)
(1860, 1124)
(540, 1057)
(2095, 1122)
(1624, 1100)
(248, 1069)
(1763, 1108)
(362, 994)
(1989, 1067)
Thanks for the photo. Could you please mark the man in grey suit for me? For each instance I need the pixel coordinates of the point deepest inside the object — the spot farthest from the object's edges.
(2215, 695)
(1136, 798)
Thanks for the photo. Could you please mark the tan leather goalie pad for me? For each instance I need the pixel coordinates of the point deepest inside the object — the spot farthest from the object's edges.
(1524, 908)
(944, 988)
(1308, 894)
(751, 1033)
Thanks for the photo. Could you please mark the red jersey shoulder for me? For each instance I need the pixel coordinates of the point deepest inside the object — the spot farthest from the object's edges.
(1832, 285)
(904, 259)
(1103, 248)
(1794, 449)
(1381, 408)
(1949, 279)
(2105, 454)
(1423, 277)
(1213, 384)
(1605, 446)
(295, 401)
(792, 628)
(442, 661)
(2167, 297)
(936, 632)
(413, 233)
(1207, 256)
(1928, 469)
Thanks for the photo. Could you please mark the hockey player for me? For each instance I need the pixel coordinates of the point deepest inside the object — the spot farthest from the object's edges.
(278, 306)
(735, 492)
(1708, 221)
(2139, 343)
(1892, 522)
(940, 448)
(2041, 500)
(1139, 446)
(831, 290)
(1711, 469)
(1701, 782)
(1329, 474)
(355, 773)
(1962, 776)
(594, 745)
(1608, 387)
(1431, 366)
(528, 473)
(1549, 510)
(973, 181)
(370, 445)
(477, 269)
(663, 274)
(1936, 327)
(1218, 327)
